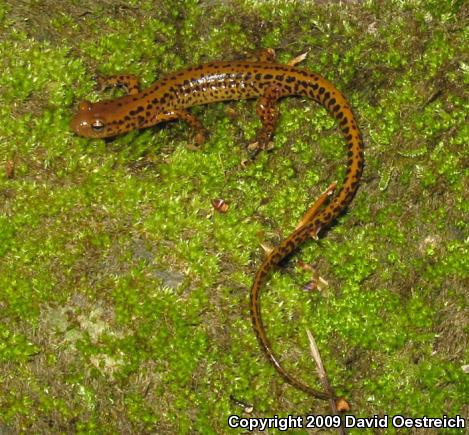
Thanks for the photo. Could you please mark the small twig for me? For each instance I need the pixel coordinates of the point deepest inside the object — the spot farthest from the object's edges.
(433, 97)
(323, 377)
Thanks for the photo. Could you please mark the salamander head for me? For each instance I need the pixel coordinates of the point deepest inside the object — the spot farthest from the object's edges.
(89, 121)
(99, 120)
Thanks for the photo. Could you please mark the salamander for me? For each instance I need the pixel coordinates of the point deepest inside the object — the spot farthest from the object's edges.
(170, 97)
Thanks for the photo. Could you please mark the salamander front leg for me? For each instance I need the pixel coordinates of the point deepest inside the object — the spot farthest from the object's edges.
(268, 113)
(128, 82)
(200, 132)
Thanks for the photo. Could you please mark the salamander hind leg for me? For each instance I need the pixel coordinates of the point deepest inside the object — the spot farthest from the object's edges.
(128, 82)
(262, 55)
(200, 132)
(268, 55)
(267, 111)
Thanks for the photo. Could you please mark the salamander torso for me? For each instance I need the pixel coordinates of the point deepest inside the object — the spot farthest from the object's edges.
(168, 99)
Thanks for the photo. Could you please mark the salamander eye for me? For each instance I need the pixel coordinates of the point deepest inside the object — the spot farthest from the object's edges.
(97, 125)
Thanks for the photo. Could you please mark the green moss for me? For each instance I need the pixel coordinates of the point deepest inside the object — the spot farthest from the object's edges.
(15, 347)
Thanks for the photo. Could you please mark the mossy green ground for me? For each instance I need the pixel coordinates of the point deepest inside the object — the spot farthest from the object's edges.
(124, 295)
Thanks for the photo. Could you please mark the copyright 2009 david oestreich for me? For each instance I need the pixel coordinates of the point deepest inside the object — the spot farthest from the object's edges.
(347, 421)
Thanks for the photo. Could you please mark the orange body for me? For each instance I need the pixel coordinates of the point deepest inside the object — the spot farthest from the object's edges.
(168, 99)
